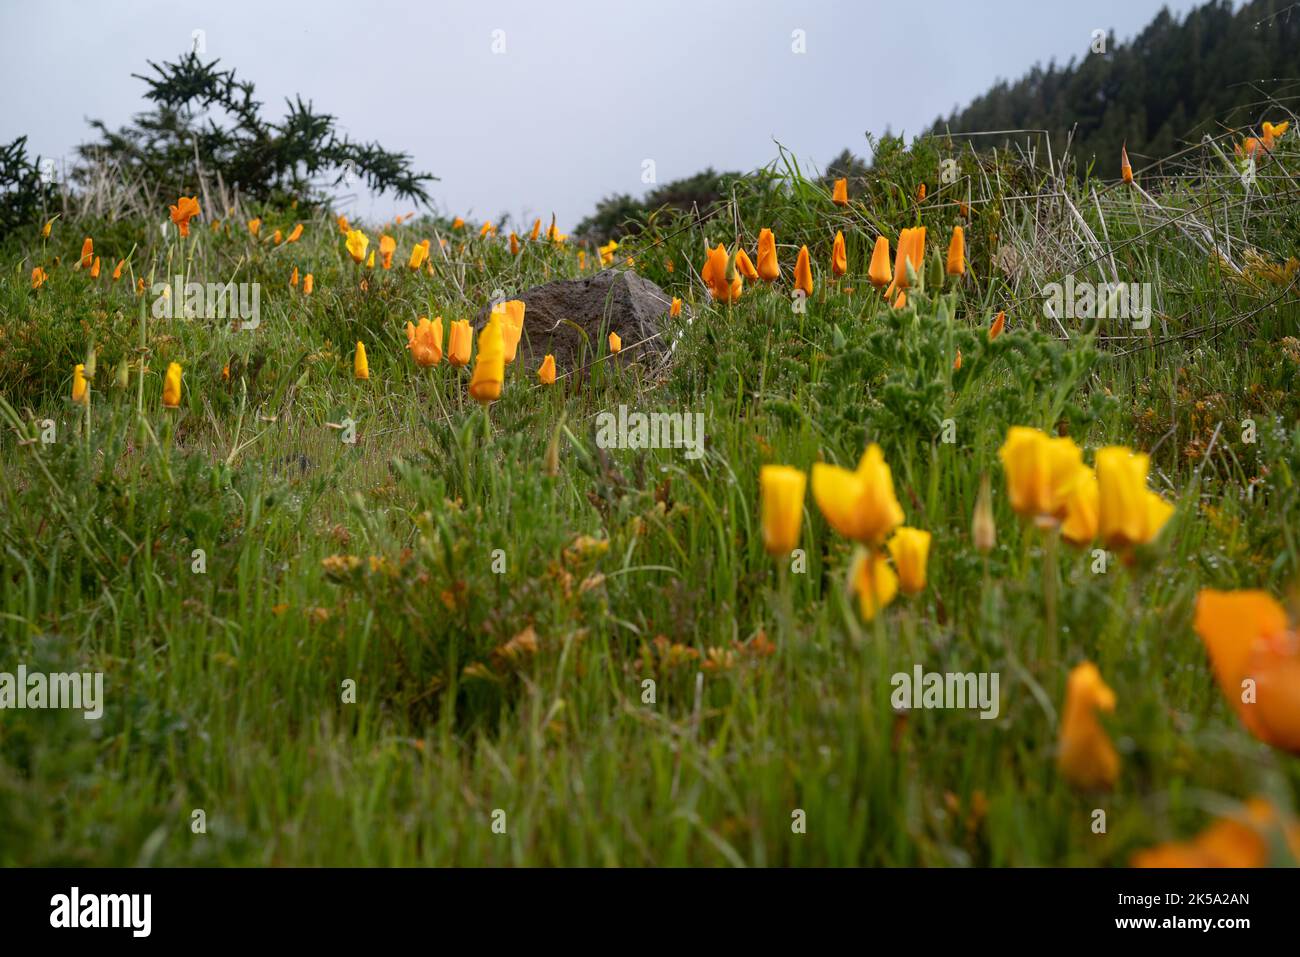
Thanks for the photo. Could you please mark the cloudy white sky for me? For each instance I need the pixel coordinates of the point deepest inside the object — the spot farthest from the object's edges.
(583, 93)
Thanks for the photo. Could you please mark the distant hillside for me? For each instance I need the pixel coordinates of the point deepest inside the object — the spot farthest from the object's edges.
(1166, 87)
(1158, 92)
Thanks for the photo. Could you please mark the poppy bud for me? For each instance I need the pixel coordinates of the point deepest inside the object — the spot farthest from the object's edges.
(171, 397)
(803, 278)
(880, 272)
(910, 550)
(768, 268)
(782, 494)
(490, 364)
(957, 253)
(80, 391)
(460, 343)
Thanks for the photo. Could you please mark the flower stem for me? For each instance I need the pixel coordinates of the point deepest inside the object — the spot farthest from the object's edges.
(1049, 588)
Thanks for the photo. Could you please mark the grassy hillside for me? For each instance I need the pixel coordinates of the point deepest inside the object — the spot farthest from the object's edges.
(384, 643)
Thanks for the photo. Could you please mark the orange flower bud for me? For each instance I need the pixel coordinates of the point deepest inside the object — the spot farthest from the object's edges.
(839, 256)
(1086, 757)
(803, 278)
(957, 253)
(460, 342)
(999, 323)
(768, 269)
(880, 273)
(745, 267)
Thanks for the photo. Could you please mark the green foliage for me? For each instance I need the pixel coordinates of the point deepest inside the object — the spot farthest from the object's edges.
(24, 193)
(206, 122)
(1172, 83)
(622, 215)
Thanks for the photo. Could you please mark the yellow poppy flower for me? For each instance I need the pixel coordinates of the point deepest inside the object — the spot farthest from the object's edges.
(357, 242)
(80, 393)
(874, 583)
(782, 494)
(1041, 470)
(490, 364)
(171, 397)
(859, 504)
(910, 550)
(1128, 512)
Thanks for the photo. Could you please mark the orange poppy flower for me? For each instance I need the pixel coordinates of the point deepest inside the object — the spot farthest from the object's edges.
(186, 208)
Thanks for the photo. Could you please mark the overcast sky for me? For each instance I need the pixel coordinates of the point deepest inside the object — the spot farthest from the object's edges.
(580, 95)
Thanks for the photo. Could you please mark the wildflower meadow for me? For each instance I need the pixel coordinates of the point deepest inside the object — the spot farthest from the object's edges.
(944, 514)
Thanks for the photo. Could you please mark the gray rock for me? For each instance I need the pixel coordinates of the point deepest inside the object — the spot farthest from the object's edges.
(613, 300)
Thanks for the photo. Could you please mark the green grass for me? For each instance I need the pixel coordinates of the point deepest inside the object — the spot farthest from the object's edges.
(224, 689)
